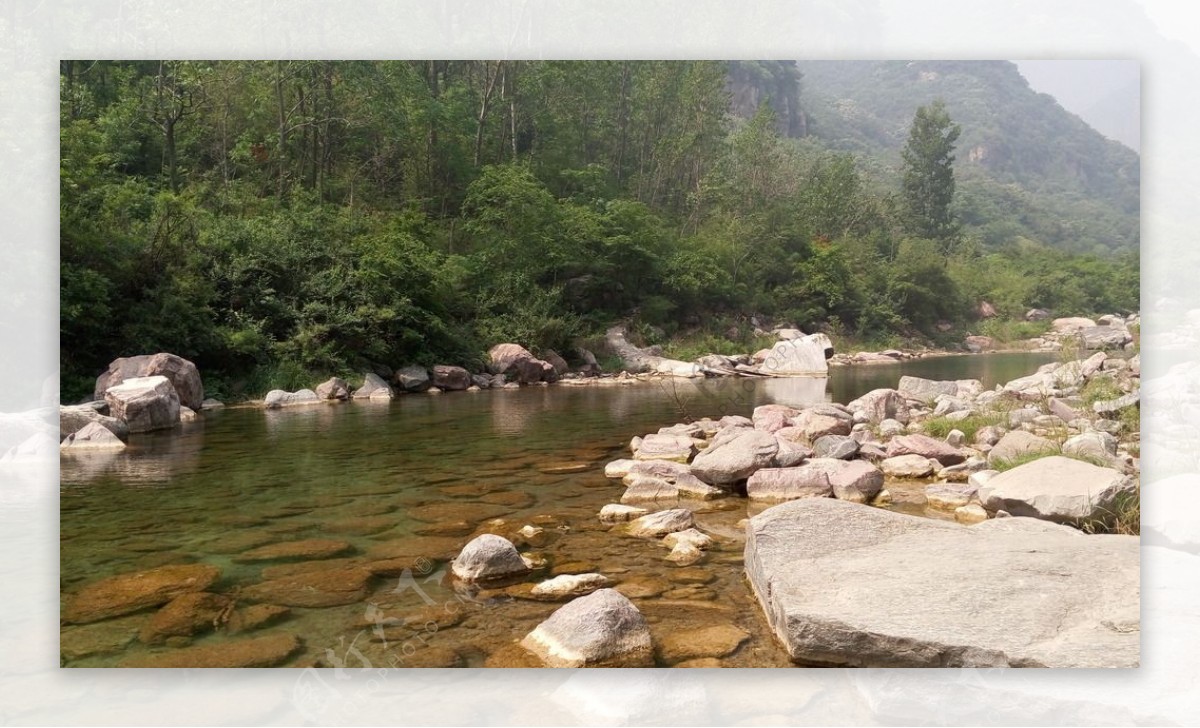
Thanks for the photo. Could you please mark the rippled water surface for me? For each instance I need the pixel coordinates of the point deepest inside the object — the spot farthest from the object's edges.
(417, 477)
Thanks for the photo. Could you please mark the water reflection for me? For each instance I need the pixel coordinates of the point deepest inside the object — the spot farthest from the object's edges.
(797, 391)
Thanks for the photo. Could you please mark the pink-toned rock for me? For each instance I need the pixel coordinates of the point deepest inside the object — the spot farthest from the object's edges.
(182, 374)
(815, 424)
(772, 417)
(917, 444)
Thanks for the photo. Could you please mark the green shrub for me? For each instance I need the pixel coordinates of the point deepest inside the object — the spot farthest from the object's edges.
(969, 426)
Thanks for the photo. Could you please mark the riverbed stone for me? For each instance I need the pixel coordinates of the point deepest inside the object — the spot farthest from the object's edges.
(814, 425)
(691, 536)
(660, 523)
(780, 484)
(602, 629)
(838, 447)
(489, 558)
(265, 651)
(569, 586)
(771, 417)
(304, 550)
(948, 496)
(1058, 489)
(1019, 444)
(790, 454)
(881, 404)
(619, 513)
(181, 373)
(1017, 592)
(647, 488)
(144, 403)
(108, 637)
(734, 455)
(707, 642)
(970, 514)
(313, 589)
(908, 466)
(255, 616)
(925, 390)
(678, 448)
(184, 616)
(619, 468)
(127, 593)
(918, 444)
(92, 436)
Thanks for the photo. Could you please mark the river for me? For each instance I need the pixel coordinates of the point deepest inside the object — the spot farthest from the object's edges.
(414, 477)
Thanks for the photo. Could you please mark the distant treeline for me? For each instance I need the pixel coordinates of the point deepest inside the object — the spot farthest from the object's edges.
(277, 220)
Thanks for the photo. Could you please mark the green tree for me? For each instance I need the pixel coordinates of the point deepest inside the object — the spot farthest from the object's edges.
(928, 183)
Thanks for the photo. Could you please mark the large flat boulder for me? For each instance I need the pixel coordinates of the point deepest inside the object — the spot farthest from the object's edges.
(1058, 489)
(1012, 592)
(182, 374)
(144, 403)
(278, 398)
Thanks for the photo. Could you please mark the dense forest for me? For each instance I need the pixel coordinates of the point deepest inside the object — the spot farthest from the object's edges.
(278, 221)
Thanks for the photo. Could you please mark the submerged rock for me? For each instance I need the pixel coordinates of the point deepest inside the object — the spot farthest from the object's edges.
(265, 651)
(126, 593)
(488, 558)
(707, 642)
(184, 616)
(603, 629)
(1017, 591)
(313, 589)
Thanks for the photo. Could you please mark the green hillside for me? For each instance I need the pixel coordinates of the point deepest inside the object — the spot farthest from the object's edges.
(1025, 165)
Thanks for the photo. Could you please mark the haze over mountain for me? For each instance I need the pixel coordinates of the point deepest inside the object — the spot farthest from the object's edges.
(1026, 166)
(1105, 94)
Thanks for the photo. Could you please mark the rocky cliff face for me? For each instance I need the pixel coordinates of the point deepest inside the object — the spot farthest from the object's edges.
(753, 83)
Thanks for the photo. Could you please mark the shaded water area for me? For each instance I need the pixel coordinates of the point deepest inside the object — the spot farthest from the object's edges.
(415, 479)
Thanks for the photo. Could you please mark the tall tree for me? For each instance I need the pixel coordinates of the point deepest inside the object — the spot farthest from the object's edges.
(928, 183)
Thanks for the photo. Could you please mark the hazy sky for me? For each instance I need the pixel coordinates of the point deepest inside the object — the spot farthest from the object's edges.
(1104, 93)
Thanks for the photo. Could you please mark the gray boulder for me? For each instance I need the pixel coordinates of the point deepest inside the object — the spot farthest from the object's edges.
(1013, 592)
(882, 404)
(660, 523)
(839, 447)
(277, 398)
(926, 390)
(144, 403)
(677, 448)
(1099, 448)
(782, 484)
(734, 455)
(451, 378)
(92, 436)
(373, 388)
(602, 629)
(73, 418)
(806, 355)
(503, 357)
(182, 374)
(560, 365)
(489, 558)
(1019, 444)
(413, 378)
(1058, 489)
(1112, 406)
(333, 388)
(925, 446)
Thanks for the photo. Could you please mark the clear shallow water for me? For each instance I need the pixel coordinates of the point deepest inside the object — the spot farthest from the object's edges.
(400, 478)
